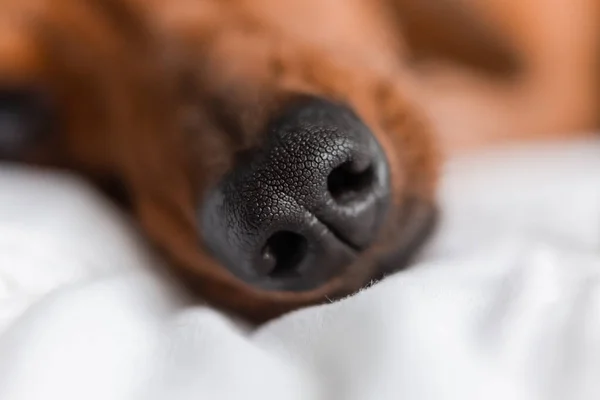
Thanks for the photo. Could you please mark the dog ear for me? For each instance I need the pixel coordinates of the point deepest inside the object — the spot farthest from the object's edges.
(448, 30)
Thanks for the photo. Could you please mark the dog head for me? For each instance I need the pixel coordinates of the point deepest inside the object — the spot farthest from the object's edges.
(272, 172)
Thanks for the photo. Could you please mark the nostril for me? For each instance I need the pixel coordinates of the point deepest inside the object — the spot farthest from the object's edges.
(283, 254)
(350, 181)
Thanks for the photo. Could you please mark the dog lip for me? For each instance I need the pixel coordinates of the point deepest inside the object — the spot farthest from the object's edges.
(418, 221)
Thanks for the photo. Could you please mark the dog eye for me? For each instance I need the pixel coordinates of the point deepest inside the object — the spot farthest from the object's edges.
(24, 121)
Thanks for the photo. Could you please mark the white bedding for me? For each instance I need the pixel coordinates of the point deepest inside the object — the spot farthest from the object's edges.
(505, 303)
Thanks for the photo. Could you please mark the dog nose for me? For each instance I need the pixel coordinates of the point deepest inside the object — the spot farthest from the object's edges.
(298, 210)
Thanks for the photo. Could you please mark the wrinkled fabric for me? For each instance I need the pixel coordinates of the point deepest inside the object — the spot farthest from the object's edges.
(503, 304)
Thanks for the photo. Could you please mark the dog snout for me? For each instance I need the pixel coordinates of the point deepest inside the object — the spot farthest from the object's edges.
(298, 210)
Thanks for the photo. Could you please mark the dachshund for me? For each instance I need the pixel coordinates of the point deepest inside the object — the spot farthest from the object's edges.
(281, 154)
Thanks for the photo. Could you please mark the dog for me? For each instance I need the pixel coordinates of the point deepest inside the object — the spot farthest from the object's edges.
(281, 154)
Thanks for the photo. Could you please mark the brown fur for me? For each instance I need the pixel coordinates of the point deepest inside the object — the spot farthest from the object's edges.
(164, 95)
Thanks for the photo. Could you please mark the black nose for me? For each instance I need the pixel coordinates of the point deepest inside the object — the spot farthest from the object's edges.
(24, 119)
(300, 208)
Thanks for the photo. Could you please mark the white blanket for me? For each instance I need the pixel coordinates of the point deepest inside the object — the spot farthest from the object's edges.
(505, 303)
